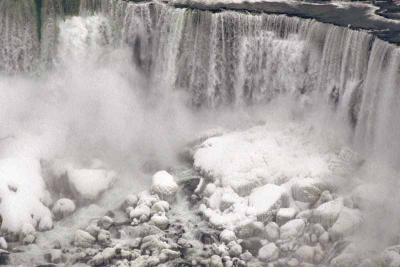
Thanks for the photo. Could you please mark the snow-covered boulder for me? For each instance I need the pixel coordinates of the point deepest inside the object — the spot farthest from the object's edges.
(227, 236)
(285, 214)
(267, 200)
(228, 198)
(83, 239)
(45, 223)
(88, 184)
(139, 211)
(216, 261)
(22, 189)
(269, 252)
(104, 237)
(234, 249)
(348, 222)
(306, 190)
(147, 198)
(160, 220)
(160, 206)
(272, 231)
(292, 229)
(3, 243)
(105, 222)
(63, 207)
(164, 185)
(327, 213)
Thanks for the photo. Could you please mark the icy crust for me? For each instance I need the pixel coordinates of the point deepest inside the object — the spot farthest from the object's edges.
(263, 154)
(22, 192)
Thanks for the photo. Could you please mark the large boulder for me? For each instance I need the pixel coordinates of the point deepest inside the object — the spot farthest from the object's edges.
(63, 207)
(164, 185)
(292, 229)
(306, 190)
(327, 213)
(285, 214)
(269, 252)
(83, 239)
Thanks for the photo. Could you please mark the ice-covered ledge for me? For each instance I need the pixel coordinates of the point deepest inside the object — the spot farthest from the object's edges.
(356, 15)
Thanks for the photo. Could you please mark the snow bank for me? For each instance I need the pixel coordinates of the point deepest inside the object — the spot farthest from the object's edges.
(263, 154)
(22, 190)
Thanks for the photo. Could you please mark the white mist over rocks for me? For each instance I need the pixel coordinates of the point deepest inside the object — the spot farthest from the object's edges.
(288, 125)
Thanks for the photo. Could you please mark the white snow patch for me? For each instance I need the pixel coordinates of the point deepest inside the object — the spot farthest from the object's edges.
(267, 199)
(21, 189)
(263, 154)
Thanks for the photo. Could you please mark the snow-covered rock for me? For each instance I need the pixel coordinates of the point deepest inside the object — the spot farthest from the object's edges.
(22, 189)
(139, 211)
(88, 184)
(83, 239)
(269, 252)
(164, 185)
(227, 236)
(292, 229)
(228, 198)
(27, 229)
(160, 206)
(285, 214)
(63, 207)
(209, 189)
(3, 243)
(160, 220)
(45, 223)
(54, 256)
(147, 198)
(103, 258)
(272, 231)
(327, 213)
(234, 249)
(104, 237)
(306, 190)
(267, 200)
(216, 261)
(105, 222)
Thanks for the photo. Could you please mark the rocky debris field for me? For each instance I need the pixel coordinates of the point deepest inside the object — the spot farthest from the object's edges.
(200, 217)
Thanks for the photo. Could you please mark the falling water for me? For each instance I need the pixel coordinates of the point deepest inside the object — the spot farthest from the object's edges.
(232, 58)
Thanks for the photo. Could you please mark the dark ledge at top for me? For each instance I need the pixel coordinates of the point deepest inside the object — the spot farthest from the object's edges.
(381, 19)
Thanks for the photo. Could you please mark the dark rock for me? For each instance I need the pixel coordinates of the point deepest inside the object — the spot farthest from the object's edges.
(253, 245)
(208, 238)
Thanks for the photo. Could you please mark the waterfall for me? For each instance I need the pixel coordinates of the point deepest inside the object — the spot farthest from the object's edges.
(231, 58)
(19, 39)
